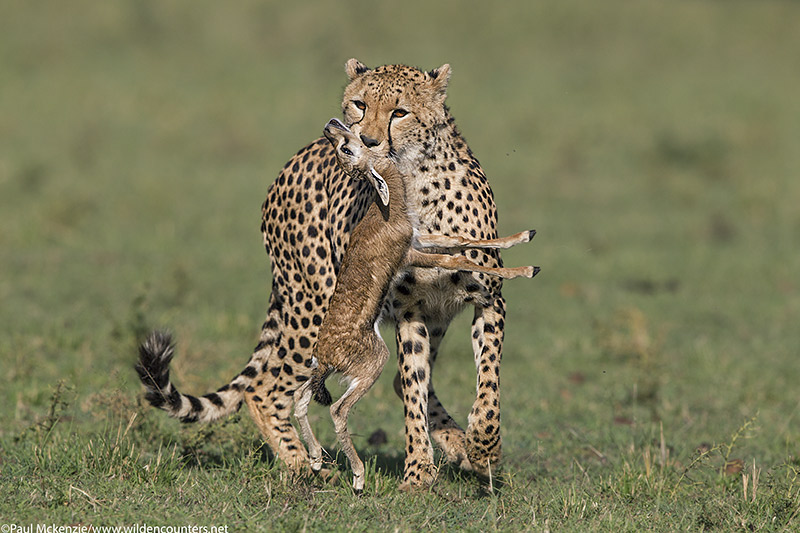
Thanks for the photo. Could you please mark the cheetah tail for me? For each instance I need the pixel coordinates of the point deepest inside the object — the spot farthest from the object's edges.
(155, 354)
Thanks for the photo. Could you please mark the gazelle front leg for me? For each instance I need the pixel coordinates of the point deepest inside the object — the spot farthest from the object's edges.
(457, 262)
(422, 242)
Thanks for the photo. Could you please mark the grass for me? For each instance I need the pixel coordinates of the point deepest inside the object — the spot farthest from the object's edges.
(650, 371)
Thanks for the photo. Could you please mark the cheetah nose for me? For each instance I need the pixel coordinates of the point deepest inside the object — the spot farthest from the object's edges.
(369, 142)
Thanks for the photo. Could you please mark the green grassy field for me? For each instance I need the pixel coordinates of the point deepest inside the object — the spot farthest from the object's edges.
(650, 374)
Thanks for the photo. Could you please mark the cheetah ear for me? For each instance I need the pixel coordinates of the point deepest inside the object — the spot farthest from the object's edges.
(439, 78)
(354, 68)
(380, 185)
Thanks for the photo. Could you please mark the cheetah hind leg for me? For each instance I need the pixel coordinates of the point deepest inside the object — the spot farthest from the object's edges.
(447, 434)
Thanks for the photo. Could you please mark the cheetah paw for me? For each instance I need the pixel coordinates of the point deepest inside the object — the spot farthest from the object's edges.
(420, 480)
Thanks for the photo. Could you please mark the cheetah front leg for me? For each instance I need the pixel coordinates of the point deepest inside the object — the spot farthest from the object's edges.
(483, 431)
(444, 431)
(413, 352)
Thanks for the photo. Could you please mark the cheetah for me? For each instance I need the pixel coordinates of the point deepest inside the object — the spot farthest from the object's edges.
(382, 243)
(307, 218)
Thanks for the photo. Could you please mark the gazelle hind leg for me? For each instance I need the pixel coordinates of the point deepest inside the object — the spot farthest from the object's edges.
(339, 413)
(341, 409)
(446, 241)
(303, 397)
(458, 262)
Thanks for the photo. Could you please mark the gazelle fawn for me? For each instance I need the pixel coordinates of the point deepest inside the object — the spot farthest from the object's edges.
(382, 244)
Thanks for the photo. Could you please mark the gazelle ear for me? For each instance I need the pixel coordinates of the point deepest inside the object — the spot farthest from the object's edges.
(380, 185)
(354, 68)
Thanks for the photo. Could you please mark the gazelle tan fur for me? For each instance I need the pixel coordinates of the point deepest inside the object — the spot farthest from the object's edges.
(382, 244)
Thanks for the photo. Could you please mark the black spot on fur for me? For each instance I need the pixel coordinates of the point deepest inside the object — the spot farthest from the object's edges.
(249, 372)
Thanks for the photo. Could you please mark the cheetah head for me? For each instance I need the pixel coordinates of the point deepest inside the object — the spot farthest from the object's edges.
(396, 108)
(355, 158)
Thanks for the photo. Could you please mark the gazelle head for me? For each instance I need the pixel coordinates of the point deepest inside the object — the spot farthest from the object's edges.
(355, 158)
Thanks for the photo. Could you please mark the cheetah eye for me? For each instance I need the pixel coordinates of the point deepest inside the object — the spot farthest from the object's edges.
(399, 113)
(359, 104)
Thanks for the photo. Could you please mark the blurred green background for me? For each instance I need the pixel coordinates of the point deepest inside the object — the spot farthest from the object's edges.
(653, 145)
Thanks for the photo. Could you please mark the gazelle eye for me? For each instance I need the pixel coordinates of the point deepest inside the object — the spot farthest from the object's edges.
(345, 150)
(359, 104)
(399, 113)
